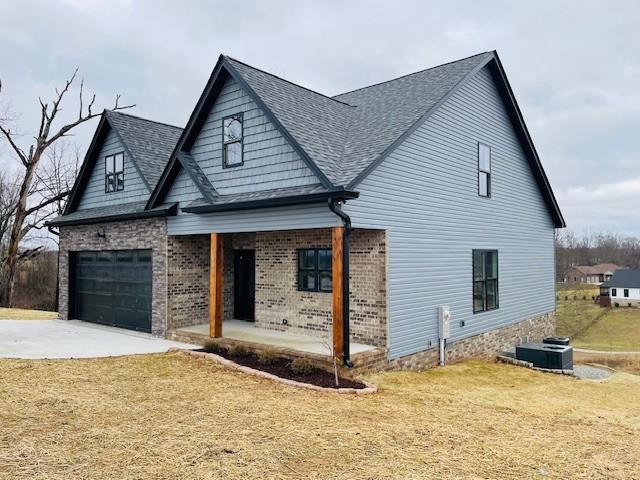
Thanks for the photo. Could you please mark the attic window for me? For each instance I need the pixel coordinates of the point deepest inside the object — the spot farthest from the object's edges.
(484, 170)
(114, 173)
(232, 140)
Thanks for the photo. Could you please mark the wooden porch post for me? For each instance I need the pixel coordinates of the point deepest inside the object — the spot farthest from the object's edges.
(216, 262)
(338, 291)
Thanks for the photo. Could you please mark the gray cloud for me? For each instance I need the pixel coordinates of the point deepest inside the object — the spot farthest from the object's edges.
(573, 65)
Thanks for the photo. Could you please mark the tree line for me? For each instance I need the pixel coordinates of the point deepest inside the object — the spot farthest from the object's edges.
(594, 248)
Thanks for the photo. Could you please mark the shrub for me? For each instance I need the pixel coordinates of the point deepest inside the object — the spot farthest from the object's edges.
(211, 346)
(616, 304)
(302, 366)
(239, 350)
(266, 357)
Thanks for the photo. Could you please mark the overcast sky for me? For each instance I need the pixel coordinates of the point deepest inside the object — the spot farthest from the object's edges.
(574, 67)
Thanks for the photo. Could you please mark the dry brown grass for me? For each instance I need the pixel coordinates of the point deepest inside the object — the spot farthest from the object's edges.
(624, 363)
(174, 417)
(23, 314)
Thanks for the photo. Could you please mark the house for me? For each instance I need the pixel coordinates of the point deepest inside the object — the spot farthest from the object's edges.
(594, 274)
(623, 288)
(279, 214)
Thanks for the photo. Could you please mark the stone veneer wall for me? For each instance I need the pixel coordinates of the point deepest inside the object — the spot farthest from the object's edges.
(187, 280)
(127, 235)
(485, 345)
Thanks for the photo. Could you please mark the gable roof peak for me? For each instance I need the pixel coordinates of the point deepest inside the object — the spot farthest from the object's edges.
(489, 52)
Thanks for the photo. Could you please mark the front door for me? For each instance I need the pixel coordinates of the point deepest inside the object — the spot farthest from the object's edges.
(244, 284)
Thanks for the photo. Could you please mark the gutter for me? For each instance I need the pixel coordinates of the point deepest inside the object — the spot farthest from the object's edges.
(272, 202)
(346, 220)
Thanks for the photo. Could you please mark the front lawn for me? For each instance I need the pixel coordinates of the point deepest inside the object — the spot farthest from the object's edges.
(171, 416)
(22, 314)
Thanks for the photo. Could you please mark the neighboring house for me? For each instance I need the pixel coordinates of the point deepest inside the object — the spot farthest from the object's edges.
(622, 288)
(355, 216)
(593, 274)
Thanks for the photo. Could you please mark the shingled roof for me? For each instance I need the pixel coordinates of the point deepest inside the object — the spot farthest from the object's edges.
(149, 143)
(343, 138)
(623, 279)
(344, 134)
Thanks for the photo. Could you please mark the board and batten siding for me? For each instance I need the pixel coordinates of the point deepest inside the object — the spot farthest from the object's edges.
(425, 194)
(94, 195)
(269, 160)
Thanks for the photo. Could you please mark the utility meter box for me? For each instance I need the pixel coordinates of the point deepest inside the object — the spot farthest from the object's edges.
(444, 322)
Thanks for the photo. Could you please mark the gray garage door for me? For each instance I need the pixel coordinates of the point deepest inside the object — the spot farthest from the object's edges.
(112, 288)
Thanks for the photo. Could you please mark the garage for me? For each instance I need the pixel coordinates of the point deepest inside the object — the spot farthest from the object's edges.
(112, 288)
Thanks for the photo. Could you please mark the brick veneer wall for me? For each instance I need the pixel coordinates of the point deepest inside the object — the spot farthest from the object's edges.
(485, 345)
(187, 280)
(278, 298)
(132, 234)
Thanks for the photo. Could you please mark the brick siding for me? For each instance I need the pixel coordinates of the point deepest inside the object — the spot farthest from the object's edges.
(133, 234)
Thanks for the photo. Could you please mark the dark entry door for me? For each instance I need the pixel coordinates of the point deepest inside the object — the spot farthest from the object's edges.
(112, 288)
(244, 284)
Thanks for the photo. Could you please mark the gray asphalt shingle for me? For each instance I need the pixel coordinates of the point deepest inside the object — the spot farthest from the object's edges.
(150, 143)
(344, 134)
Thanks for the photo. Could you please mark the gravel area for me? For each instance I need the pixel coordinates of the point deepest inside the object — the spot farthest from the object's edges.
(588, 372)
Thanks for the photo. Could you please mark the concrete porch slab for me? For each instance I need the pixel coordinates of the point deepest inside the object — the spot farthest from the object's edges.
(248, 332)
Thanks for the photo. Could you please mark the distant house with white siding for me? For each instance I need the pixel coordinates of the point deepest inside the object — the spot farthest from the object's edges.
(622, 288)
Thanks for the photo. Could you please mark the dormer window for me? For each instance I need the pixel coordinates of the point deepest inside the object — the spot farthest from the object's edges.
(232, 140)
(114, 173)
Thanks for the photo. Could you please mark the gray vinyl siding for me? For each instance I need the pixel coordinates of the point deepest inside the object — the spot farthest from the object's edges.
(183, 189)
(269, 160)
(135, 190)
(260, 220)
(425, 194)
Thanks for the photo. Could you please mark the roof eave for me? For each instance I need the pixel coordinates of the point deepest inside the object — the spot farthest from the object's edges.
(159, 212)
(274, 202)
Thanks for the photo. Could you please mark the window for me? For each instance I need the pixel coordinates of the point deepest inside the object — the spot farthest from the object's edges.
(614, 292)
(314, 270)
(484, 170)
(485, 280)
(114, 173)
(232, 140)
(626, 293)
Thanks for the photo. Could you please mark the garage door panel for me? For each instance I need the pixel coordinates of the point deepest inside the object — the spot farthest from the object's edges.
(113, 287)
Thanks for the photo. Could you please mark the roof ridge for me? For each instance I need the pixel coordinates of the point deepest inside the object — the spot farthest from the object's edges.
(290, 82)
(412, 73)
(111, 112)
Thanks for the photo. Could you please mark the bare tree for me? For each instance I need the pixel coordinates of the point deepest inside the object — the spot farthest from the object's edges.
(37, 191)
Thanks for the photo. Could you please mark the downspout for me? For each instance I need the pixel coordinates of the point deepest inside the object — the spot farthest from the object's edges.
(346, 220)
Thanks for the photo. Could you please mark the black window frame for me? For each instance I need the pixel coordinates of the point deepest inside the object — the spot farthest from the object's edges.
(625, 293)
(225, 164)
(118, 186)
(485, 280)
(316, 270)
(614, 292)
(486, 172)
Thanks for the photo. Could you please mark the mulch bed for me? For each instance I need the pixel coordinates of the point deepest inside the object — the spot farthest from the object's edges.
(281, 367)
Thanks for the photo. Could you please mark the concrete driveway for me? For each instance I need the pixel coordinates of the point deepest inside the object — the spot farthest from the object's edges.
(36, 339)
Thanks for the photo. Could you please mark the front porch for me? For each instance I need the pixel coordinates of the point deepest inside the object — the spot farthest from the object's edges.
(247, 288)
(247, 332)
